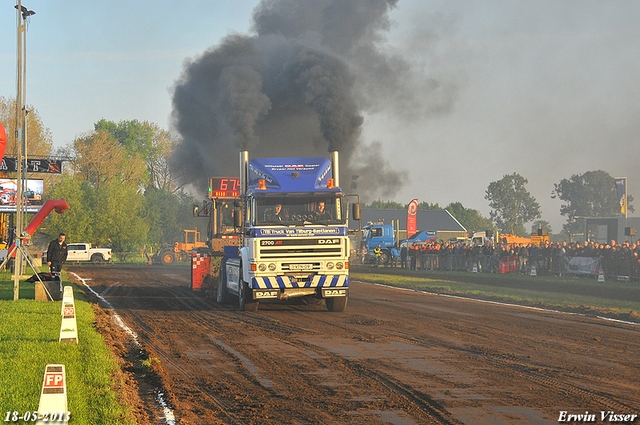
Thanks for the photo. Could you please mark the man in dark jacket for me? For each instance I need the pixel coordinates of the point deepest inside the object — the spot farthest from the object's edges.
(57, 253)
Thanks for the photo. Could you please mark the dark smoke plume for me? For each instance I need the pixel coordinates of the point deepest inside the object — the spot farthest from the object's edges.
(291, 88)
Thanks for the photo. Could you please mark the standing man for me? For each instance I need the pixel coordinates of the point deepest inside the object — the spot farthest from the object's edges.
(57, 254)
(377, 253)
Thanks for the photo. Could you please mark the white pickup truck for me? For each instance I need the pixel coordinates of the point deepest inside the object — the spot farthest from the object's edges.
(82, 252)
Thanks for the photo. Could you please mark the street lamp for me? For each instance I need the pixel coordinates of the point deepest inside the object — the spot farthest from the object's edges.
(21, 140)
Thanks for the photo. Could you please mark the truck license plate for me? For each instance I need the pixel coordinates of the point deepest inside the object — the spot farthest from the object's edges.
(301, 266)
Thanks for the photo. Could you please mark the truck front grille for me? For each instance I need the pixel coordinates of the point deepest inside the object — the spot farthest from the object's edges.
(301, 249)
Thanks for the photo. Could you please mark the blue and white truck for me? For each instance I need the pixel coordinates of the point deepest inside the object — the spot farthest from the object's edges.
(292, 220)
(374, 234)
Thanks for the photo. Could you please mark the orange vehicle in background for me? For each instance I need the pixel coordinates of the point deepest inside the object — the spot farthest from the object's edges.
(536, 238)
(180, 251)
(511, 239)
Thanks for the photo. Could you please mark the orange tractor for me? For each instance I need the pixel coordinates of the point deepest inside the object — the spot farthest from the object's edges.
(180, 251)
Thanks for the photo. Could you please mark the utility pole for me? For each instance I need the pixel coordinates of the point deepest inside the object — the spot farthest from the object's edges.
(21, 140)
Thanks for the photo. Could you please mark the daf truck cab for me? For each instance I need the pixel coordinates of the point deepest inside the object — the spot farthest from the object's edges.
(293, 238)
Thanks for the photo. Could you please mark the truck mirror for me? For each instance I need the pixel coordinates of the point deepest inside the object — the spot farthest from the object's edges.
(356, 211)
(237, 217)
(196, 209)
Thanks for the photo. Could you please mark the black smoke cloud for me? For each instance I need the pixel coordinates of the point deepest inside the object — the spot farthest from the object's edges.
(296, 86)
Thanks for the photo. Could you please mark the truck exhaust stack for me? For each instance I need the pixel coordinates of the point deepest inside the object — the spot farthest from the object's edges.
(244, 172)
(335, 165)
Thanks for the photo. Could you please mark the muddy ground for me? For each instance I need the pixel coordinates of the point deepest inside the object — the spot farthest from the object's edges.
(393, 357)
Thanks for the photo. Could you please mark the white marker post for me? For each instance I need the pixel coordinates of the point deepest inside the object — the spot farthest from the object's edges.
(67, 299)
(53, 397)
(68, 327)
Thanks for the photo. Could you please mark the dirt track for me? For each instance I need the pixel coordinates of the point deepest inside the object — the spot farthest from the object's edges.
(394, 357)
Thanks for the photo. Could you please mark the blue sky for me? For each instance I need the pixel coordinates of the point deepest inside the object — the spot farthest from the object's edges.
(110, 59)
(546, 89)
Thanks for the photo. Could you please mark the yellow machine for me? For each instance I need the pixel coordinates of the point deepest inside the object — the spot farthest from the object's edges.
(180, 251)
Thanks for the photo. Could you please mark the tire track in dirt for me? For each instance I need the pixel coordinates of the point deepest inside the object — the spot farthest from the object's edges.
(300, 364)
(527, 370)
(430, 410)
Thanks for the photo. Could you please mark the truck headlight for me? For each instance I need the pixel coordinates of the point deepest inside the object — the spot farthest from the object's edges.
(272, 267)
(339, 265)
(262, 267)
(330, 266)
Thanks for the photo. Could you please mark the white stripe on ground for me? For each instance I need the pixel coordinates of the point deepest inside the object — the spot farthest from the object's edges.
(168, 413)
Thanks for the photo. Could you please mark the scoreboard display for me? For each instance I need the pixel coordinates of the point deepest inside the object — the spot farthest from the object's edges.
(224, 187)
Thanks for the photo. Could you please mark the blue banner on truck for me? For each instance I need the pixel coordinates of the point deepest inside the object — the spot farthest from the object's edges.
(290, 174)
(298, 232)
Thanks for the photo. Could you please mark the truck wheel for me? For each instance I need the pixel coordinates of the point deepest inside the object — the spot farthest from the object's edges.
(246, 303)
(97, 259)
(385, 257)
(337, 304)
(168, 257)
(223, 293)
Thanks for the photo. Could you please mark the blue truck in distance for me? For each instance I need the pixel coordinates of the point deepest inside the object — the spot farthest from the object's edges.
(293, 242)
(374, 234)
(384, 234)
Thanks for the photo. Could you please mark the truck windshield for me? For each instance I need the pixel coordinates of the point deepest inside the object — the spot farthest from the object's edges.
(312, 209)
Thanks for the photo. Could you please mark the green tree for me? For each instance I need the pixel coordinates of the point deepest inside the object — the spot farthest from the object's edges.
(99, 159)
(151, 143)
(102, 188)
(135, 136)
(168, 214)
(393, 205)
(78, 221)
(388, 205)
(511, 204)
(39, 140)
(424, 205)
(119, 218)
(592, 194)
(113, 197)
(471, 219)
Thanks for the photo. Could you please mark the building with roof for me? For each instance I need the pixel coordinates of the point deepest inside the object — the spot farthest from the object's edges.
(605, 229)
(439, 220)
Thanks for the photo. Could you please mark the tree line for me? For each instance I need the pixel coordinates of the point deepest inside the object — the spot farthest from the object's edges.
(122, 191)
(591, 194)
(116, 179)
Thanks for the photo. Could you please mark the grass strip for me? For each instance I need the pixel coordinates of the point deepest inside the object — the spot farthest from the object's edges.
(620, 300)
(29, 340)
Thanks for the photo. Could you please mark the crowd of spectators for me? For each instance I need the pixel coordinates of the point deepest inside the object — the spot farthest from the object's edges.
(549, 258)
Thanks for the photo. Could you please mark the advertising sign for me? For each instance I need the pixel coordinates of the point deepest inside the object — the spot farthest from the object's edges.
(584, 265)
(412, 210)
(9, 195)
(34, 165)
(508, 265)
